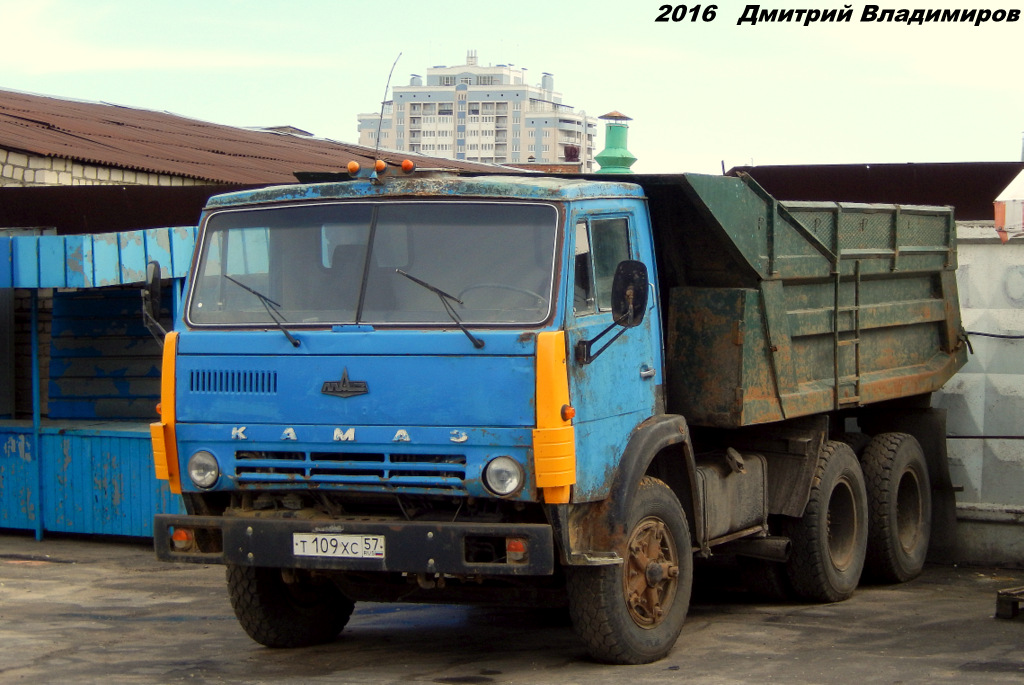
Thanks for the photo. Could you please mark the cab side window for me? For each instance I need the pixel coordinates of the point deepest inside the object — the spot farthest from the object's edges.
(583, 288)
(600, 245)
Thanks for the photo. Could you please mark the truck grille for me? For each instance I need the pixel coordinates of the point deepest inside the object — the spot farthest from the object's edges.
(371, 471)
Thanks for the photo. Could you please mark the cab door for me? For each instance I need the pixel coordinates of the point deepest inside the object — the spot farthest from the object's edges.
(619, 388)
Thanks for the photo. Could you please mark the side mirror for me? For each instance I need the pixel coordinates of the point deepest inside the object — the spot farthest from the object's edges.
(151, 302)
(630, 287)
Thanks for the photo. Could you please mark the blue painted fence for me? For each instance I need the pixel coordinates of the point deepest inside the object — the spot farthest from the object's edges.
(93, 480)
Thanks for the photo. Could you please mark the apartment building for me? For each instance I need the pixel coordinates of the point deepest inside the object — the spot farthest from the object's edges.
(482, 114)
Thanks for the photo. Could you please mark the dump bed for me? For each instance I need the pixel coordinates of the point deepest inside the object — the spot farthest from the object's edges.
(777, 310)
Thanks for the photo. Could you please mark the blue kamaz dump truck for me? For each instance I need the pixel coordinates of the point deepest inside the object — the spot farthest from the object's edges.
(434, 387)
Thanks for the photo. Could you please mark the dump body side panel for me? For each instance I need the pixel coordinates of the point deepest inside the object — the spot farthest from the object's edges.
(779, 310)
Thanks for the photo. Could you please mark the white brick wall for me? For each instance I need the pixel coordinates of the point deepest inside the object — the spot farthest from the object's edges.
(19, 169)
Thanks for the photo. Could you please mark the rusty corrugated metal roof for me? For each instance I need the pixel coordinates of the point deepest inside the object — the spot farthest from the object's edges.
(164, 143)
(969, 187)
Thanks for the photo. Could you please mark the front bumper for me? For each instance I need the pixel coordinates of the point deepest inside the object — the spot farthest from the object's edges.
(411, 547)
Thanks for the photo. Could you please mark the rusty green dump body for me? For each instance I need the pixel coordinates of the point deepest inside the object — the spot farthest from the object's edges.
(779, 310)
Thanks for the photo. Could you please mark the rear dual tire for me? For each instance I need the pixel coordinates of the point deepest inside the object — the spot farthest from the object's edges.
(899, 505)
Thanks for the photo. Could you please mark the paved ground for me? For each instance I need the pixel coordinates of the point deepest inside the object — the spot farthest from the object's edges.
(83, 611)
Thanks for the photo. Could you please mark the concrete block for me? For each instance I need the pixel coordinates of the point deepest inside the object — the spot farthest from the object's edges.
(40, 163)
(1004, 406)
(964, 399)
(966, 464)
(990, 543)
(17, 159)
(1003, 472)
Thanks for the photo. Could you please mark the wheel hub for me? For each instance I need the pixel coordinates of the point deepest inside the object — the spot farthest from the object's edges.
(650, 572)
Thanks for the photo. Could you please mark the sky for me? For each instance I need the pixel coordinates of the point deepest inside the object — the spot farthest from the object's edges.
(702, 95)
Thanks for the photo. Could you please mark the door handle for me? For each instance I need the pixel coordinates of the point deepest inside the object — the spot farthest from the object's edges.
(646, 372)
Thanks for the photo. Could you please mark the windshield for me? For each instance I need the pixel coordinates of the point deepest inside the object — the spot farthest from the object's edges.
(376, 263)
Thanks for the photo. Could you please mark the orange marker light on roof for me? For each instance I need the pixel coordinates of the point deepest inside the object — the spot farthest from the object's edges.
(408, 166)
(353, 167)
(380, 165)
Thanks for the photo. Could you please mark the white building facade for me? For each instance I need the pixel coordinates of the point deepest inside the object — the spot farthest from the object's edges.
(482, 114)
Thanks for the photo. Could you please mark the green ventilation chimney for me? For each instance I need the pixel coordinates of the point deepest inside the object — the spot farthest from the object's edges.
(615, 158)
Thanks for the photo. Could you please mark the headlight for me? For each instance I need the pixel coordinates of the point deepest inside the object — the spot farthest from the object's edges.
(203, 469)
(503, 476)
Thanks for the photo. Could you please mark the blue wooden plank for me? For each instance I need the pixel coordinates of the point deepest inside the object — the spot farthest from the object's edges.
(183, 242)
(25, 262)
(133, 256)
(52, 261)
(158, 248)
(78, 270)
(19, 500)
(6, 269)
(106, 259)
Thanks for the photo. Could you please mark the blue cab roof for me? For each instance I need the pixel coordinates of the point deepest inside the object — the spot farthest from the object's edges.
(500, 186)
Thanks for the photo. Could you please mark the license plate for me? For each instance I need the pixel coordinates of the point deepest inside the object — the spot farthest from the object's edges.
(338, 545)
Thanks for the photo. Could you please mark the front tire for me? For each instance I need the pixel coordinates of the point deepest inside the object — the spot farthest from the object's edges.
(899, 505)
(296, 612)
(632, 613)
(830, 540)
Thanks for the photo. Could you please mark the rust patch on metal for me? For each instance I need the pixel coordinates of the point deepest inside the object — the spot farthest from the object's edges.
(590, 529)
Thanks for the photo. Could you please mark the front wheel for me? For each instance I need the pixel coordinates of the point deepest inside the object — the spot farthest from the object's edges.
(632, 613)
(287, 607)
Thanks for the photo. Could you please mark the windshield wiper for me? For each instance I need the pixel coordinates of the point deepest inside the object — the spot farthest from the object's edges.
(445, 297)
(273, 314)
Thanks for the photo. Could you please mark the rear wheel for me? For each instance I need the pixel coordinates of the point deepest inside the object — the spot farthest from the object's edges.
(829, 541)
(287, 607)
(899, 506)
(632, 613)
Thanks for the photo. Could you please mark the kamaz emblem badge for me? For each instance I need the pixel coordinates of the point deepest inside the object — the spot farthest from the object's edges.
(344, 387)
